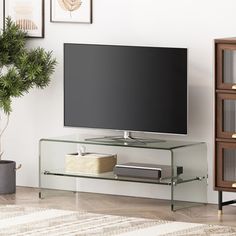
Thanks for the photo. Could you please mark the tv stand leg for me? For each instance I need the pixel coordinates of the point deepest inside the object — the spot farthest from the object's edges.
(40, 195)
(220, 205)
(172, 180)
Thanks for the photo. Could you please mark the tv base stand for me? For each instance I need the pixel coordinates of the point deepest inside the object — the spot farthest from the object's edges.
(126, 139)
(191, 156)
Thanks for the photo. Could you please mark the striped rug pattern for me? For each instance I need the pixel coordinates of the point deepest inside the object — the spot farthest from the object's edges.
(20, 221)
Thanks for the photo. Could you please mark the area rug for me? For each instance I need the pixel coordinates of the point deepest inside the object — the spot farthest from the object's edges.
(19, 220)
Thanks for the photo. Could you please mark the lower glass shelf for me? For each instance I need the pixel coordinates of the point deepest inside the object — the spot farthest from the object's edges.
(111, 176)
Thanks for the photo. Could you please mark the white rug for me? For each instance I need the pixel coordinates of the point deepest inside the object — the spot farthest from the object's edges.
(18, 220)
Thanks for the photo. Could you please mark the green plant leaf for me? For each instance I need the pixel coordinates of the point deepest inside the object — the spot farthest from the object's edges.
(21, 69)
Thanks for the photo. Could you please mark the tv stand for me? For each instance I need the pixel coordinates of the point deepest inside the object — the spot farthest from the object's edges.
(126, 139)
(190, 155)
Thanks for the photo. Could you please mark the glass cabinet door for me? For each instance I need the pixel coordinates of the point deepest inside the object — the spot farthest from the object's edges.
(226, 116)
(226, 165)
(226, 66)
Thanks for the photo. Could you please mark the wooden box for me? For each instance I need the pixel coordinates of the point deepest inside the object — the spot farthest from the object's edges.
(90, 163)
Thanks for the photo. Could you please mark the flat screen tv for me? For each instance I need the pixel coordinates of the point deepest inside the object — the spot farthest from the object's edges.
(128, 88)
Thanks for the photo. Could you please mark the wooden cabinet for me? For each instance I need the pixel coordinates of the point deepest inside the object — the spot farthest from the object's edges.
(225, 118)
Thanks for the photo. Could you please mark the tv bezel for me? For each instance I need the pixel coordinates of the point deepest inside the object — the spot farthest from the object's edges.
(123, 130)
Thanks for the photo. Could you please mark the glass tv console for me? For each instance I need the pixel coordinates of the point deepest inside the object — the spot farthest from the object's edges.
(183, 190)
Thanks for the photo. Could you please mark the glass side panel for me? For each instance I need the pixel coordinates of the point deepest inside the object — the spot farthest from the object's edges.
(229, 67)
(229, 119)
(138, 143)
(229, 161)
(194, 162)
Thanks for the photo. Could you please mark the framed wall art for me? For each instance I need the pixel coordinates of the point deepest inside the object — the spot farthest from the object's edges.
(71, 11)
(28, 14)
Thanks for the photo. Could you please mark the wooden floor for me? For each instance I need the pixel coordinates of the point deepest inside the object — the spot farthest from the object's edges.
(119, 205)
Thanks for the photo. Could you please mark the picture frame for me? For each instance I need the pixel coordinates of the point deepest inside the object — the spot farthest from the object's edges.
(28, 14)
(66, 11)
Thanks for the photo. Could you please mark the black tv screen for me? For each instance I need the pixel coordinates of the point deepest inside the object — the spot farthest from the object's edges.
(125, 88)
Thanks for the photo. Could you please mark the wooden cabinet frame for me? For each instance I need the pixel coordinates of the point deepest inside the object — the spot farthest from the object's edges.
(220, 182)
(220, 97)
(223, 140)
(219, 65)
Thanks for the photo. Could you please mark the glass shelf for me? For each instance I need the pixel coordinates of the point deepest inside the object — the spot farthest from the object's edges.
(159, 144)
(112, 176)
(189, 155)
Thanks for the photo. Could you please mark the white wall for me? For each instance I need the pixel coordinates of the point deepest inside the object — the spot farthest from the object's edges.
(183, 23)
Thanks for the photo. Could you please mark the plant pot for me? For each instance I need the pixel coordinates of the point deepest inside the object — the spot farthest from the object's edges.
(7, 177)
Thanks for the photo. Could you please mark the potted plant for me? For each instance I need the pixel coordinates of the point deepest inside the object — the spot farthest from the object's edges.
(21, 69)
